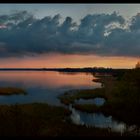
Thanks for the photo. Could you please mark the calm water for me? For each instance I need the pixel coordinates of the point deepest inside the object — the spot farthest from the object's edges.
(43, 86)
(99, 120)
(97, 101)
(96, 120)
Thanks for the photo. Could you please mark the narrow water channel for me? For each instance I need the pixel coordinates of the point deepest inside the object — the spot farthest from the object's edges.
(99, 120)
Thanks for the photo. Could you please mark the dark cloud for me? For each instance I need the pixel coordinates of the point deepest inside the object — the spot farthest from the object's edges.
(26, 35)
(14, 17)
(135, 23)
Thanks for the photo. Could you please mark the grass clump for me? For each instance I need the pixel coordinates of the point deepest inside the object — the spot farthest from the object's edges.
(70, 97)
(11, 91)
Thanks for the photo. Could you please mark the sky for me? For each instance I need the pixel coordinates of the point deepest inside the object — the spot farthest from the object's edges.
(69, 35)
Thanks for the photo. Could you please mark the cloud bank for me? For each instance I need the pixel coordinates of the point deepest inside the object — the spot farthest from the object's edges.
(101, 34)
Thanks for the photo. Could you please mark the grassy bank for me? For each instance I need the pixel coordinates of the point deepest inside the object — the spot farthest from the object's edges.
(42, 120)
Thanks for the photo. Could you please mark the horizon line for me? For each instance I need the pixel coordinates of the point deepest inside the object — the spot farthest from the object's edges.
(43, 68)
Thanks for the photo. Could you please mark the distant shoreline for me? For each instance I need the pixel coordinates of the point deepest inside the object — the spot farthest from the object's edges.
(88, 69)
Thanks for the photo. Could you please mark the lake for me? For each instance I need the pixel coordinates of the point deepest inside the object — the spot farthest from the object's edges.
(43, 86)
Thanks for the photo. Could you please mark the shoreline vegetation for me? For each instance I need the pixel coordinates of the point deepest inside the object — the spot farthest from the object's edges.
(121, 92)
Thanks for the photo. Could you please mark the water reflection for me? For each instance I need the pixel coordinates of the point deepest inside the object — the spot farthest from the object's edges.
(97, 101)
(46, 78)
(97, 120)
(43, 86)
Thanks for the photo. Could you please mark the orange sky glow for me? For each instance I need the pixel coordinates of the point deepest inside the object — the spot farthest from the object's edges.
(72, 61)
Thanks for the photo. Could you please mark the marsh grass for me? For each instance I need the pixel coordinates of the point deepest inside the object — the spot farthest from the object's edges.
(69, 98)
(39, 119)
(11, 91)
(29, 119)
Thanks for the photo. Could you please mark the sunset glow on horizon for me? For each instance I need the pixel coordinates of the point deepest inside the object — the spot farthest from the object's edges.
(68, 61)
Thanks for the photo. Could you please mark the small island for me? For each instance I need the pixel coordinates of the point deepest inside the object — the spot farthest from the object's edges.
(11, 91)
